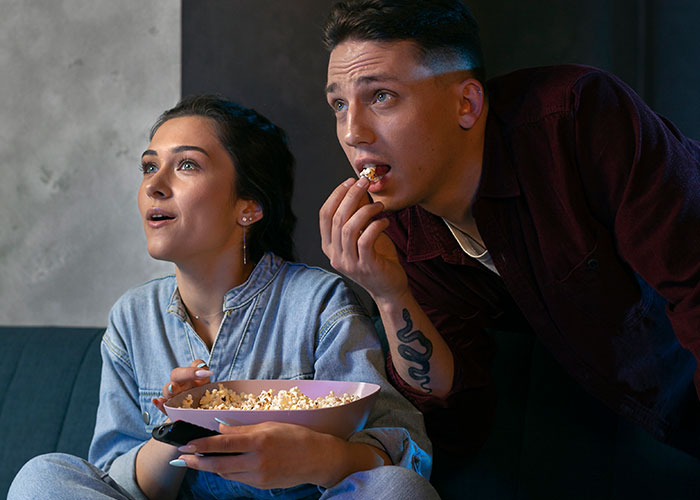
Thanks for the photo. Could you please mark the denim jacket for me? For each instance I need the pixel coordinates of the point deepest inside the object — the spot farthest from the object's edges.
(287, 321)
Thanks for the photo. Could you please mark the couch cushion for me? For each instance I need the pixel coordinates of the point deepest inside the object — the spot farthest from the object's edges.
(49, 396)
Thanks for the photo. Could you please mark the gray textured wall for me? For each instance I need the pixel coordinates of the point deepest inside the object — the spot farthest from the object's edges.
(81, 83)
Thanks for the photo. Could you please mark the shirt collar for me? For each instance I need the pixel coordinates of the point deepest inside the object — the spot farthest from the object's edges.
(498, 178)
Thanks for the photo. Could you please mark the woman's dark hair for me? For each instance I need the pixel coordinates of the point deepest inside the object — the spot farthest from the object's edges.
(264, 167)
(443, 30)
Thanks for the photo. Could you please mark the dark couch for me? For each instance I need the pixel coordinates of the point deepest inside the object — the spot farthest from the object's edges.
(551, 440)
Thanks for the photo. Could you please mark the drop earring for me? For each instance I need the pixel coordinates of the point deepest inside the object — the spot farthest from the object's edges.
(245, 231)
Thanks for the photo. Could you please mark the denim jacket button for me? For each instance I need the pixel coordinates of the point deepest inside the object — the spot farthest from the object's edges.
(593, 264)
(146, 417)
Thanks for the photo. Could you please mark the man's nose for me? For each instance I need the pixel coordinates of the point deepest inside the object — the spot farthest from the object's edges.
(358, 128)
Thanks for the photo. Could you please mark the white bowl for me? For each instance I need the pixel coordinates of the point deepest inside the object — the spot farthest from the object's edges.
(340, 421)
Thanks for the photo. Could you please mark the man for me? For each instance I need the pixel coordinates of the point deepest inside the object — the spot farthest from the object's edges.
(551, 199)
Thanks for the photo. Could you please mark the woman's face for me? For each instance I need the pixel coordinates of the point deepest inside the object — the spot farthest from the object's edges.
(186, 198)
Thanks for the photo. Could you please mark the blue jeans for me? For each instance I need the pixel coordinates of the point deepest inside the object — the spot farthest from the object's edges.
(64, 477)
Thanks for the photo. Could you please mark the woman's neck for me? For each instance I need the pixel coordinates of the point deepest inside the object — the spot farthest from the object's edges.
(202, 288)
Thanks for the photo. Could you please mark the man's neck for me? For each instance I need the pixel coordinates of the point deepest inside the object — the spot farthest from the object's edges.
(458, 194)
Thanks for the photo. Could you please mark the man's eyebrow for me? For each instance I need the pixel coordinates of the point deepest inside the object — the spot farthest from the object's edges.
(364, 80)
(178, 149)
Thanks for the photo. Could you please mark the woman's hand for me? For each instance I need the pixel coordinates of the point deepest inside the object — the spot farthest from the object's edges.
(183, 379)
(280, 455)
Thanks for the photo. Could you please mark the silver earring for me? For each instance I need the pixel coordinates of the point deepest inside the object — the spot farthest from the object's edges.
(245, 249)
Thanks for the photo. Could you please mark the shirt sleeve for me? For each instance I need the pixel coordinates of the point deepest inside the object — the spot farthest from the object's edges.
(119, 433)
(349, 349)
(642, 178)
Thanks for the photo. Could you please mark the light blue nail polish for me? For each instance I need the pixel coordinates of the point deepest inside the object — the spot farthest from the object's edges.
(200, 365)
(178, 463)
(222, 422)
(170, 388)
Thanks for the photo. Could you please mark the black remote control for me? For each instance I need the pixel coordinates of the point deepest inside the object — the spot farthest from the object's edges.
(179, 433)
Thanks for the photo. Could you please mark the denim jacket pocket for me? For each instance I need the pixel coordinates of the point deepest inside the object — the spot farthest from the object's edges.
(150, 414)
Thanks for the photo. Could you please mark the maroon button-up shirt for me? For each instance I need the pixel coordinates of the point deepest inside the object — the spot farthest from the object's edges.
(589, 204)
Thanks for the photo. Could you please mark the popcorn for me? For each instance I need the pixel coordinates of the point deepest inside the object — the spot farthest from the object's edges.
(293, 399)
(370, 171)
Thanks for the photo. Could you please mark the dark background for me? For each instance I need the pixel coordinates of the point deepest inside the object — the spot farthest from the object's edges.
(267, 54)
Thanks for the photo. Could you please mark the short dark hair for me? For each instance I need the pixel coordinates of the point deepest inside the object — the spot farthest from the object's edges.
(442, 29)
(263, 163)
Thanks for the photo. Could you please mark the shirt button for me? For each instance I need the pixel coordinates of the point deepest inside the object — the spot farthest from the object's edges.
(146, 417)
(593, 264)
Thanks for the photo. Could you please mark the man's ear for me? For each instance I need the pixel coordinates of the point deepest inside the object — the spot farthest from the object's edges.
(472, 101)
(250, 213)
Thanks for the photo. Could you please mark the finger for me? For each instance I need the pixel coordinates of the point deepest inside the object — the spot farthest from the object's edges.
(236, 440)
(187, 377)
(198, 363)
(220, 464)
(325, 216)
(366, 243)
(355, 198)
(159, 402)
(352, 230)
(171, 389)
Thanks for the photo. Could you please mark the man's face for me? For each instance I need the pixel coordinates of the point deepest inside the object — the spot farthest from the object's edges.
(396, 113)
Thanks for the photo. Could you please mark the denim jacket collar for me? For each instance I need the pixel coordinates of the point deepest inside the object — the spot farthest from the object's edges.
(263, 274)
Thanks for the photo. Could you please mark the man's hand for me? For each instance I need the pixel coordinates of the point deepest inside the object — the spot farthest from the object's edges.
(356, 244)
(357, 247)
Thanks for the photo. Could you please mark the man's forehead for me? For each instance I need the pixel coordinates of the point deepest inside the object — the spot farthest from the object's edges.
(363, 62)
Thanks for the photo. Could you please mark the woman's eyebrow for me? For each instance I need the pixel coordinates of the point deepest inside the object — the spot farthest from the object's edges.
(178, 149)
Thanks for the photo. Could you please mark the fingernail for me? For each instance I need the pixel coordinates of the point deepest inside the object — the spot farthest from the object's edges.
(362, 181)
(349, 182)
(188, 448)
(221, 421)
(170, 388)
(200, 365)
(178, 463)
(203, 373)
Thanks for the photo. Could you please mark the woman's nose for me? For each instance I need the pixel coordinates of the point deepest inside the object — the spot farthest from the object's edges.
(158, 185)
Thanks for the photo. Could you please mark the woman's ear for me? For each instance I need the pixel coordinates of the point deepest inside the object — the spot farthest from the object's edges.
(472, 100)
(250, 213)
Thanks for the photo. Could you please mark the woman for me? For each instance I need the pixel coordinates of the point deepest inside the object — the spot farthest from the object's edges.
(216, 201)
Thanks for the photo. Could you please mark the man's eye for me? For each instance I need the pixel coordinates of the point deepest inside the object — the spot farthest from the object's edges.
(382, 96)
(338, 106)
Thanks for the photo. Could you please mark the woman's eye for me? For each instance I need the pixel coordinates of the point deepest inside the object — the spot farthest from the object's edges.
(148, 168)
(187, 165)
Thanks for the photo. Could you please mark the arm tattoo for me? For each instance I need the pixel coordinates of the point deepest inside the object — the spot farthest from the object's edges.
(405, 334)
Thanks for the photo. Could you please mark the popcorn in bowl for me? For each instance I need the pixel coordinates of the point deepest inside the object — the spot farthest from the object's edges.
(316, 404)
(222, 398)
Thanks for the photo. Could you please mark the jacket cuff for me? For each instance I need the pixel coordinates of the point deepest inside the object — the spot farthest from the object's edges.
(123, 471)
